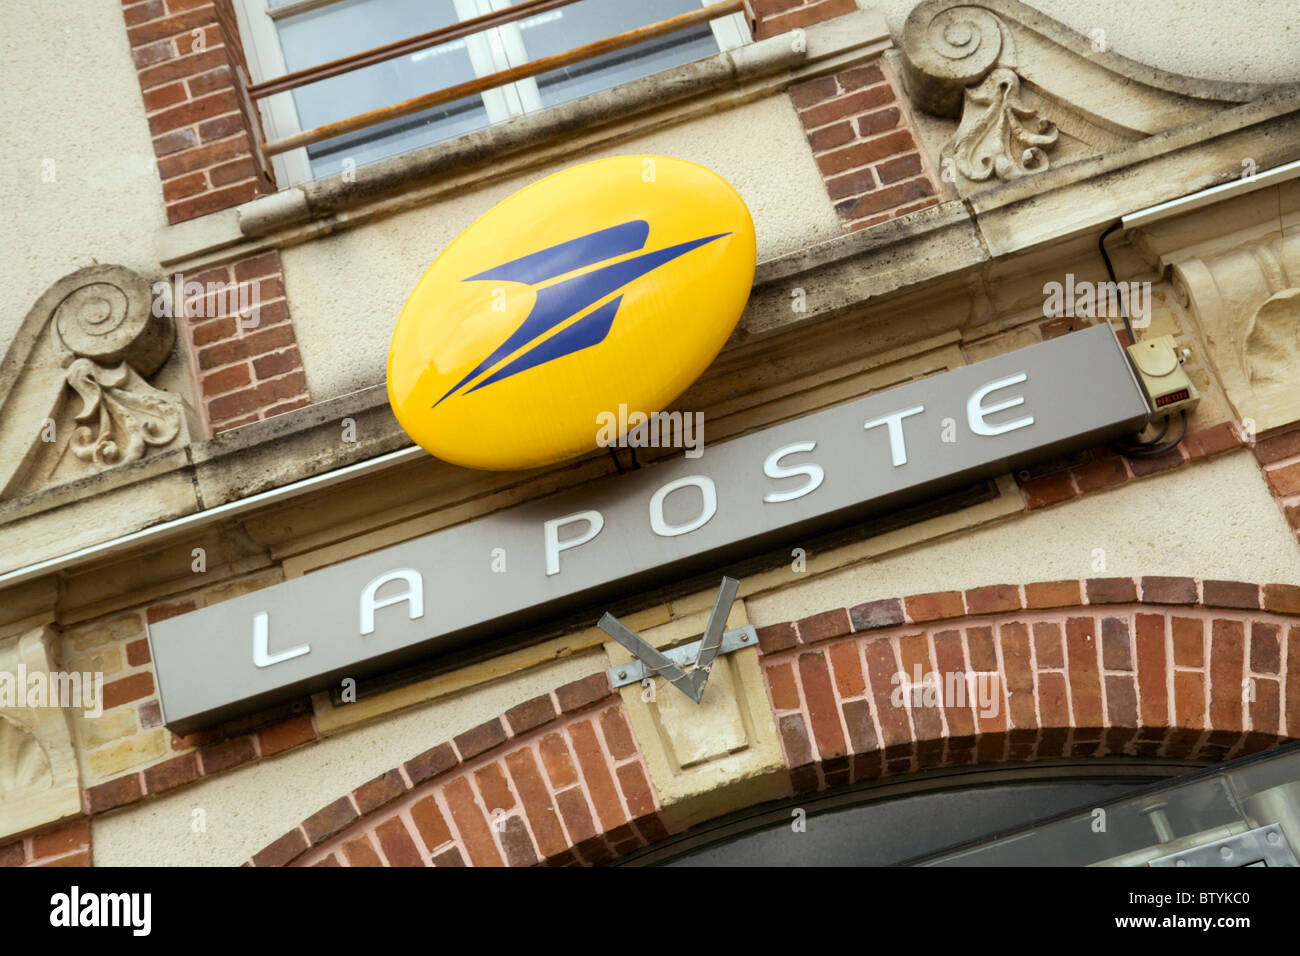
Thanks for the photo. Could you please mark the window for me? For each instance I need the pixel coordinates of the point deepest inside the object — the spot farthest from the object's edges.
(283, 36)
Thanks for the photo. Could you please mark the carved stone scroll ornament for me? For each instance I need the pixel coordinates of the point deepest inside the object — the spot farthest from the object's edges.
(960, 62)
(998, 136)
(74, 398)
(125, 413)
(101, 328)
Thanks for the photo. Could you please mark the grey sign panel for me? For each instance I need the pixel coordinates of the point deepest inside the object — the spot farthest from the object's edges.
(766, 489)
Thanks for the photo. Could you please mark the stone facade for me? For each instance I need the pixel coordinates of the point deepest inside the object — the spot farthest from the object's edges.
(917, 190)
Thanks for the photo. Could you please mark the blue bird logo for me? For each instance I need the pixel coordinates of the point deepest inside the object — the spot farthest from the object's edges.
(562, 300)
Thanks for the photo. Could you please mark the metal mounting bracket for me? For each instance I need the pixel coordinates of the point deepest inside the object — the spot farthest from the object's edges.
(635, 671)
(1263, 846)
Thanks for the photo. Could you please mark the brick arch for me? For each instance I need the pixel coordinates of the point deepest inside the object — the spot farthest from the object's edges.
(563, 767)
(1150, 667)
(1153, 667)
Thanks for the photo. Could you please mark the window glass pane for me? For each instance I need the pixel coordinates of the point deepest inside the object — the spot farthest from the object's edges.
(1214, 805)
(589, 20)
(351, 26)
(889, 831)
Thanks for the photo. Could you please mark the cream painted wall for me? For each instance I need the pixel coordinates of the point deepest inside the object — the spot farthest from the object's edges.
(345, 291)
(1213, 519)
(71, 95)
(1253, 42)
(245, 809)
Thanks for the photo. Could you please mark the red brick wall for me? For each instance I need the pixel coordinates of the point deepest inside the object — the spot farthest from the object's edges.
(185, 54)
(173, 761)
(859, 129)
(781, 16)
(204, 135)
(1154, 667)
(558, 779)
(247, 367)
(1278, 453)
(1102, 467)
(201, 755)
(861, 136)
(64, 844)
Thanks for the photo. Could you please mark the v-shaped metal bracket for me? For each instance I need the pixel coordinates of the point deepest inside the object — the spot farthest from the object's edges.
(656, 661)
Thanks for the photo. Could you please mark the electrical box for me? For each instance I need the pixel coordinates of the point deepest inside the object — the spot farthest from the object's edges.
(1159, 365)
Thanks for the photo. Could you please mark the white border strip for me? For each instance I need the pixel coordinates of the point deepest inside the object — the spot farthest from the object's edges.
(1206, 197)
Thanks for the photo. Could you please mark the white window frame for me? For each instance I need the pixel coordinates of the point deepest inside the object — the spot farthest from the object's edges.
(490, 51)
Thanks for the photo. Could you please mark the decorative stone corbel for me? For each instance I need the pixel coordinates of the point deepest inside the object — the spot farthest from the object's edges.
(39, 782)
(92, 336)
(1247, 303)
(708, 756)
(960, 62)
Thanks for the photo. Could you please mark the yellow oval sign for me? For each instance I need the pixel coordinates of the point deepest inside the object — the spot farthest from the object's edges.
(614, 283)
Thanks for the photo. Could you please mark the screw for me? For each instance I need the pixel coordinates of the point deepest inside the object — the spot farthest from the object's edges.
(622, 675)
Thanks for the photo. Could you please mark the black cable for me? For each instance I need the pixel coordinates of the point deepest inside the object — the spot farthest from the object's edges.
(1154, 451)
(1110, 271)
(1147, 444)
(1137, 449)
